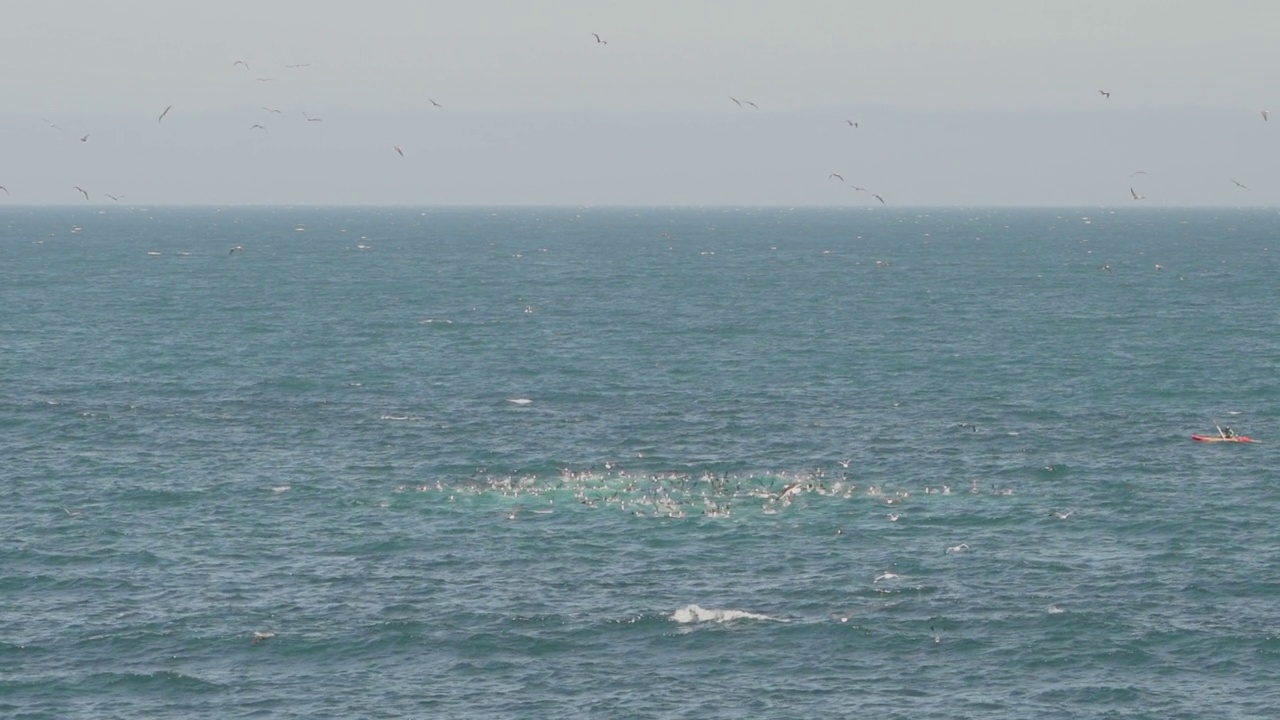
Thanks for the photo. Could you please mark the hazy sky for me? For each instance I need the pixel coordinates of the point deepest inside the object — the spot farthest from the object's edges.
(958, 102)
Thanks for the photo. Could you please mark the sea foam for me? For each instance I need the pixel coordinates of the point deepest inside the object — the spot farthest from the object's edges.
(697, 614)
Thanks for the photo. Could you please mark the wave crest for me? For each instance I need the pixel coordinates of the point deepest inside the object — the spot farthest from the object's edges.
(697, 614)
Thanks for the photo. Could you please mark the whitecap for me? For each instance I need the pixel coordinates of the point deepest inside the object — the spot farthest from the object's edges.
(520, 401)
(697, 614)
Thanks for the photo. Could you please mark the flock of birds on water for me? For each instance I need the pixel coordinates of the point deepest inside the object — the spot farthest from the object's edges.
(741, 103)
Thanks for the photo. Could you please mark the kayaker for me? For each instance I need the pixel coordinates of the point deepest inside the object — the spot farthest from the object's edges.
(1228, 432)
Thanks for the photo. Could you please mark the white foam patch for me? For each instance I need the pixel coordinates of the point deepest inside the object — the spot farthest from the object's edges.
(697, 614)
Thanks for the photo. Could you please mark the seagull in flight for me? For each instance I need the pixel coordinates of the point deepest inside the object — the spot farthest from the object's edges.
(735, 100)
(166, 112)
(751, 104)
(51, 124)
(398, 150)
(82, 191)
(1264, 115)
(5, 189)
(84, 138)
(1139, 172)
(1239, 184)
(273, 110)
(256, 126)
(298, 65)
(851, 123)
(436, 104)
(1105, 94)
(836, 175)
(855, 188)
(265, 79)
(241, 62)
(599, 40)
(114, 198)
(882, 202)
(1135, 194)
(311, 119)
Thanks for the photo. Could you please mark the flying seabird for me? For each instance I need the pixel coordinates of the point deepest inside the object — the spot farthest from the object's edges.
(599, 40)
(1139, 172)
(855, 188)
(1264, 116)
(751, 104)
(241, 62)
(298, 65)
(836, 175)
(82, 190)
(265, 79)
(311, 119)
(114, 198)
(1239, 184)
(5, 189)
(1105, 94)
(735, 100)
(1135, 194)
(51, 124)
(256, 126)
(273, 110)
(84, 138)
(397, 149)
(166, 112)
(882, 202)
(851, 123)
(433, 102)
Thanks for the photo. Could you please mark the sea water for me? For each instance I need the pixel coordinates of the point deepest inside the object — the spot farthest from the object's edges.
(606, 462)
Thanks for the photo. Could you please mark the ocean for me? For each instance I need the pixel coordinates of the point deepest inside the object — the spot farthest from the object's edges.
(638, 463)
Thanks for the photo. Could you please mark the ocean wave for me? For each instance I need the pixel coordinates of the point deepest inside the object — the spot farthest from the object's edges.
(698, 614)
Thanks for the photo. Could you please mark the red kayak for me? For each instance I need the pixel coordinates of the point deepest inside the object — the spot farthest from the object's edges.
(1220, 438)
